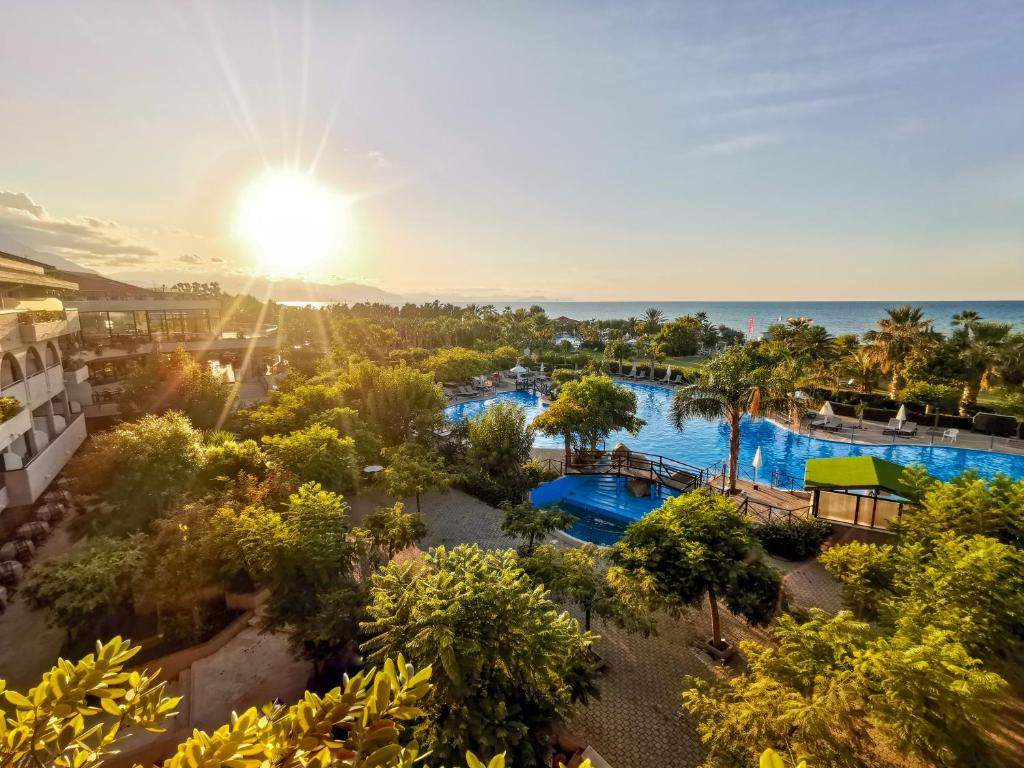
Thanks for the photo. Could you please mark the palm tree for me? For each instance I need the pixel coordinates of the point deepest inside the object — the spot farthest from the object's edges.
(741, 380)
(653, 317)
(982, 347)
(860, 366)
(900, 334)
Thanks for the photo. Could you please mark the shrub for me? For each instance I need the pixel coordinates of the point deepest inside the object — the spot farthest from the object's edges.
(9, 407)
(793, 539)
(942, 397)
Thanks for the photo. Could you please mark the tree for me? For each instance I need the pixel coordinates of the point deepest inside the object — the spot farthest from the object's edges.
(306, 556)
(389, 530)
(84, 590)
(600, 407)
(223, 462)
(497, 453)
(865, 573)
(903, 332)
(396, 402)
(412, 470)
(176, 382)
(139, 467)
(830, 688)
(81, 710)
(581, 575)
(524, 521)
(982, 348)
(457, 364)
(699, 545)
(510, 663)
(653, 318)
(616, 348)
(652, 350)
(683, 336)
(290, 408)
(739, 381)
(317, 454)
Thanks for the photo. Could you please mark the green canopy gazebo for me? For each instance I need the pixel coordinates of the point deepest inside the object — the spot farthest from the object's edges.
(862, 491)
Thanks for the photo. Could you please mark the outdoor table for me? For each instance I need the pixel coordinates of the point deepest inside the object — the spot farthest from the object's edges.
(11, 571)
(372, 471)
(35, 530)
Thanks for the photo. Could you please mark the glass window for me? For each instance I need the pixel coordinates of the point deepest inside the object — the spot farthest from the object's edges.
(94, 327)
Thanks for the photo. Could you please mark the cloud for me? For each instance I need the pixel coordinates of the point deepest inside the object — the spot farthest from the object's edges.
(19, 201)
(85, 239)
(190, 258)
(217, 260)
(734, 145)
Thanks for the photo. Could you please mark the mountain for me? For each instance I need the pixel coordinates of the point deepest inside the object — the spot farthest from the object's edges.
(279, 290)
(16, 248)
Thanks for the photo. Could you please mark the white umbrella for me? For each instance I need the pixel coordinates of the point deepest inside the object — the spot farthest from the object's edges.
(668, 374)
(542, 367)
(826, 409)
(757, 462)
(518, 370)
(901, 414)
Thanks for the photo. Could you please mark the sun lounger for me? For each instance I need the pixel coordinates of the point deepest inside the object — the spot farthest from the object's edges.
(827, 423)
(641, 375)
(891, 427)
(632, 373)
(909, 429)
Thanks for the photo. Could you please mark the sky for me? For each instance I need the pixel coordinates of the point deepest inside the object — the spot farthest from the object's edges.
(567, 150)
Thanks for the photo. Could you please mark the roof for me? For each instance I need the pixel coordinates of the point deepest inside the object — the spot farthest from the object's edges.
(90, 284)
(856, 473)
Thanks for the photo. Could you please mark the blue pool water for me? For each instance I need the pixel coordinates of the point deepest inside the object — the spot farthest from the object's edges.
(602, 504)
(704, 443)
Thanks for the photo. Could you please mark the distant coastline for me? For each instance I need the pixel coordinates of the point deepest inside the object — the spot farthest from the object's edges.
(837, 316)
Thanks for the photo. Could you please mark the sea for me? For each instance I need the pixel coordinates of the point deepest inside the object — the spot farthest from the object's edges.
(754, 317)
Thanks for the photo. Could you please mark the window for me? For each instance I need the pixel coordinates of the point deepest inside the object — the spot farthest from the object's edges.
(10, 371)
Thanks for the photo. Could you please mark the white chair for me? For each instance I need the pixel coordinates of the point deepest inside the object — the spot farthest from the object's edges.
(951, 435)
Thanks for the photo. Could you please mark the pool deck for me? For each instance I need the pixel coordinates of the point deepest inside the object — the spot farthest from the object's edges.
(871, 433)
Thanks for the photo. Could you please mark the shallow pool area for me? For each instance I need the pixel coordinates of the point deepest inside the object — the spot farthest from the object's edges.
(702, 443)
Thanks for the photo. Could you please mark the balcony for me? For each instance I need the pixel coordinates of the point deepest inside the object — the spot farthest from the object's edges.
(77, 375)
(14, 427)
(27, 484)
(38, 391)
(42, 325)
(16, 389)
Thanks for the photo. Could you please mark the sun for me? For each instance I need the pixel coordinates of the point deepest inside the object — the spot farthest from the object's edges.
(291, 222)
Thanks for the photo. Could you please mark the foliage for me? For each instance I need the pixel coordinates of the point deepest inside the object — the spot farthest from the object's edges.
(48, 725)
(751, 379)
(970, 586)
(306, 556)
(389, 530)
(865, 573)
(139, 467)
(177, 382)
(510, 663)
(317, 454)
(9, 407)
(224, 462)
(457, 364)
(82, 590)
(496, 464)
(581, 575)
(700, 545)
(967, 505)
(396, 402)
(682, 336)
(414, 469)
(588, 410)
(830, 688)
(795, 539)
(80, 711)
(940, 397)
(903, 332)
(523, 521)
(289, 409)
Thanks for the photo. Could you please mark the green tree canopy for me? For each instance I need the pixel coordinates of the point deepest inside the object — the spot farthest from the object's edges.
(524, 521)
(699, 545)
(176, 382)
(318, 454)
(139, 467)
(389, 530)
(413, 469)
(508, 662)
(396, 402)
(457, 364)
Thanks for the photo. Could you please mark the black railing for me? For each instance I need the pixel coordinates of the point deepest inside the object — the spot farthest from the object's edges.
(785, 481)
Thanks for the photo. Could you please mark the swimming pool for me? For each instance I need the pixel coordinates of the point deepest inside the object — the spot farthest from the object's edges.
(703, 443)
